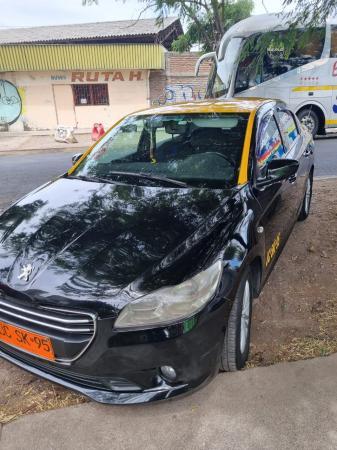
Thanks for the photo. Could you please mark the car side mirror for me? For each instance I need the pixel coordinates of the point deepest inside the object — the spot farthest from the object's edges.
(278, 170)
(76, 157)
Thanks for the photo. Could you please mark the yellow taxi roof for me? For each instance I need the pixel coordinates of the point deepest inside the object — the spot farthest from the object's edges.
(235, 105)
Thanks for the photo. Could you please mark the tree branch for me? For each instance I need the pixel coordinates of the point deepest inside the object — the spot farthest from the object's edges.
(217, 19)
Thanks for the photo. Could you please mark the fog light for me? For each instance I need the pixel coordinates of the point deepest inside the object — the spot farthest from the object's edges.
(168, 373)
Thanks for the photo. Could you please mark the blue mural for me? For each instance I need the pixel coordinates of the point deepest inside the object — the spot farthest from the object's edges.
(10, 103)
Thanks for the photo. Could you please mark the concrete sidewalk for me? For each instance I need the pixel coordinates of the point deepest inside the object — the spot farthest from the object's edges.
(286, 406)
(32, 142)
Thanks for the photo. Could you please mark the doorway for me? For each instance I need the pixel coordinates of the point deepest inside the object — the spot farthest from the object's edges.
(64, 105)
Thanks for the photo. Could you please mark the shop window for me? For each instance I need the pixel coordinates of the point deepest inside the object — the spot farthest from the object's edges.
(90, 94)
(334, 41)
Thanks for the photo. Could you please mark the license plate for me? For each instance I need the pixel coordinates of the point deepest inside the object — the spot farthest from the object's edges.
(26, 340)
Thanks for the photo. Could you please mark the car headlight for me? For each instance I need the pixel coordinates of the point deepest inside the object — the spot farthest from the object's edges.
(172, 303)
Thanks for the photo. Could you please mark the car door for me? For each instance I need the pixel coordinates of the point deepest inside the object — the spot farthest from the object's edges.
(296, 149)
(278, 200)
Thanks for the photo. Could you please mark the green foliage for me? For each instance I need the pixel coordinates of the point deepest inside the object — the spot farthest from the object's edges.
(311, 12)
(231, 13)
(207, 20)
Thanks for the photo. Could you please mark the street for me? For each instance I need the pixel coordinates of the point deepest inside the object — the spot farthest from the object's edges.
(20, 172)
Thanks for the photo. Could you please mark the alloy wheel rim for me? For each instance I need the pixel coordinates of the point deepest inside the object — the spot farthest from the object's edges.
(307, 196)
(309, 122)
(245, 314)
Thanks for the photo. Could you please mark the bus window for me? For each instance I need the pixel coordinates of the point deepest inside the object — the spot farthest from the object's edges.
(220, 83)
(275, 61)
(308, 48)
(215, 87)
(248, 74)
(334, 41)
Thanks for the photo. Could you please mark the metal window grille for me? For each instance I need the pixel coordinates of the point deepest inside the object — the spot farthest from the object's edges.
(90, 94)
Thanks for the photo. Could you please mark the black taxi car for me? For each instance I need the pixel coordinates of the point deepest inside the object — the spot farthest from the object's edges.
(131, 277)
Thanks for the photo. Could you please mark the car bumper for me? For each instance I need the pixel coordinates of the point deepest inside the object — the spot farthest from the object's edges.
(161, 392)
(124, 367)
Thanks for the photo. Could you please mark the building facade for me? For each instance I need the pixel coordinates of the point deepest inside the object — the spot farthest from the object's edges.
(78, 75)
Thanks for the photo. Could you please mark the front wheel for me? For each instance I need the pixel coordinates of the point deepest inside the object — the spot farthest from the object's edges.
(237, 338)
(310, 119)
(306, 203)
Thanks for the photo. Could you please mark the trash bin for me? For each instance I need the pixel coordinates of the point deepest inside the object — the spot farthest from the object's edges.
(97, 131)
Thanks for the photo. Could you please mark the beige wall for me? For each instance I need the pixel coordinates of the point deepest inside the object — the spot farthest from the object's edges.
(43, 103)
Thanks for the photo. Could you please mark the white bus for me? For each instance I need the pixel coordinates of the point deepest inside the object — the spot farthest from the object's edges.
(306, 79)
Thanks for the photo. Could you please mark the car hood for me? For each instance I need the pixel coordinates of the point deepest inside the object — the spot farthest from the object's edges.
(89, 241)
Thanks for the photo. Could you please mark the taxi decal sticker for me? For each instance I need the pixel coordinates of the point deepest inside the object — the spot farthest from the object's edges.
(273, 249)
(272, 147)
(289, 127)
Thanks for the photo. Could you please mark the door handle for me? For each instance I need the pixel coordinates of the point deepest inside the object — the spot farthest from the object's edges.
(292, 179)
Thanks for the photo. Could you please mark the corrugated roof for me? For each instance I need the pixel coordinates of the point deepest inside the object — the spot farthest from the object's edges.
(86, 31)
(81, 57)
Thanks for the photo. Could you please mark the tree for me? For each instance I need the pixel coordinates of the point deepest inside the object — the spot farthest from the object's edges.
(208, 31)
(311, 12)
(207, 20)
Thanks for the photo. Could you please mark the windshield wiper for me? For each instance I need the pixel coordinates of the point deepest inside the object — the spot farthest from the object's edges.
(90, 179)
(150, 176)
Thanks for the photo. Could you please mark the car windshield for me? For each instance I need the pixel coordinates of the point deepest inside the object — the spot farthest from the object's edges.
(201, 150)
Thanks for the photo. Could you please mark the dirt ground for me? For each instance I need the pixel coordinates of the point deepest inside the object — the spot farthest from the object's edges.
(294, 318)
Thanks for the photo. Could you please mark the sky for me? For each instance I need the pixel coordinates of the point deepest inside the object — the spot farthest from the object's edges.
(25, 13)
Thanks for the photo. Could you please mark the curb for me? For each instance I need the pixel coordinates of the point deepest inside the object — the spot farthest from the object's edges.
(327, 177)
(41, 150)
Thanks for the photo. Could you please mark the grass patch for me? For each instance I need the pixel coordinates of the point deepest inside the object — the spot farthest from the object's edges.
(36, 398)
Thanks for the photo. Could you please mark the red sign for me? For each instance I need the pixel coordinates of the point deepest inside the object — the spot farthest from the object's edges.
(334, 70)
(90, 77)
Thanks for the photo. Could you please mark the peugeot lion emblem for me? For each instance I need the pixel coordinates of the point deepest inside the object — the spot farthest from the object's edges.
(26, 272)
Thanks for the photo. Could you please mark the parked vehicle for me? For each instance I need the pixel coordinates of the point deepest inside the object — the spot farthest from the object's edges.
(306, 80)
(131, 277)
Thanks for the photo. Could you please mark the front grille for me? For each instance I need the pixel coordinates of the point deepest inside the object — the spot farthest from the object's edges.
(71, 331)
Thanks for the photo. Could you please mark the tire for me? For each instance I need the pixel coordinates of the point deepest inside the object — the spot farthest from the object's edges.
(235, 351)
(310, 119)
(306, 203)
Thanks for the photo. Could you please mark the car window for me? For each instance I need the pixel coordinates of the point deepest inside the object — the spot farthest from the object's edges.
(288, 128)
(270, 144)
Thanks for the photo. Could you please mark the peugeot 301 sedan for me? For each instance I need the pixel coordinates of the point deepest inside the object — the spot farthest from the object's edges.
(131, 277)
